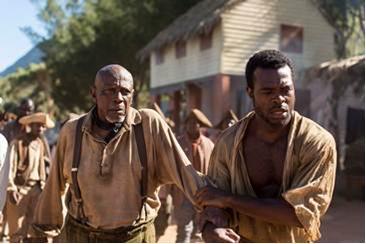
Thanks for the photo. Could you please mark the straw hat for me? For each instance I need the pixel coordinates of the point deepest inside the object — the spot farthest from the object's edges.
(39, 117)
(201, 117)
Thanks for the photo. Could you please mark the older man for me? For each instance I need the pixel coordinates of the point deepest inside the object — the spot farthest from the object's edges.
(198, 148)
(275, 169)
(114, 159)
(27, 159)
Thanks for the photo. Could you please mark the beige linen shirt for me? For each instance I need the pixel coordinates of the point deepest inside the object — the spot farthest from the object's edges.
(27, 164)
(307, 184)
(109, 174)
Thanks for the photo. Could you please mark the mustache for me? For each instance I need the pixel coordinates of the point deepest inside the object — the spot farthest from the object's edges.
(121, 106)
(279, 107)
(117, 108)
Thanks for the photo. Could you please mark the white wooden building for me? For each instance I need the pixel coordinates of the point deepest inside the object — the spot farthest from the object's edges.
(199, 60)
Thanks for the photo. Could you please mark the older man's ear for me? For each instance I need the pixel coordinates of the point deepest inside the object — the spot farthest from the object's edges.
(92, 92)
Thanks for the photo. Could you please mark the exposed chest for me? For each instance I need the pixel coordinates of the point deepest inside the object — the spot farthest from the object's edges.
(265, 163)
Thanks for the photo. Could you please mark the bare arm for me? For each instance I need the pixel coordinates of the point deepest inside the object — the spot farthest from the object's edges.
(276, 211)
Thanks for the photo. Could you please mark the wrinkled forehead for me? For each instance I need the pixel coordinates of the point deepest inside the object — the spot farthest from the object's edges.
(113, 75)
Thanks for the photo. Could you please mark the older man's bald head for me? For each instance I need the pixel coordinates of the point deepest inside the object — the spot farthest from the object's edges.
(113, 72)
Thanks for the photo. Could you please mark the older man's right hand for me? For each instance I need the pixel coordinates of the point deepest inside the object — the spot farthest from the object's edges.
(211, 233)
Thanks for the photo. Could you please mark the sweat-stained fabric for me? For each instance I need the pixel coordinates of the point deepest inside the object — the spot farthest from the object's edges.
(27, 176)
(109, 175)
(307, 183)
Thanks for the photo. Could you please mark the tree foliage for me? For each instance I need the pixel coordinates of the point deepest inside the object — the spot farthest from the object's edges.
(86, 35)
(348, 19)
(33, 82)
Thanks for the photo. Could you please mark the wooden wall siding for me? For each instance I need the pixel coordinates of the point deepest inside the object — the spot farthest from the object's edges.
(255, 24)
(196, 64)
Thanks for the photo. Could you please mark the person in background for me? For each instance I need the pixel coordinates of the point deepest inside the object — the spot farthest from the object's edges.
(198, 148)
(27, 176)
(11, 130)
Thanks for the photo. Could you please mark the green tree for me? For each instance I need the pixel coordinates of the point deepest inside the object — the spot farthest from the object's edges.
(348, 19)
(86, 35)
(33, 82)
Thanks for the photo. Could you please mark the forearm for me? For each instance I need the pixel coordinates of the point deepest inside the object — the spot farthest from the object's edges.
(276, 211)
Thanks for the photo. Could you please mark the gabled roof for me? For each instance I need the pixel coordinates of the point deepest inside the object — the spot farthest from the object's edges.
(348, 70)
(200, 19)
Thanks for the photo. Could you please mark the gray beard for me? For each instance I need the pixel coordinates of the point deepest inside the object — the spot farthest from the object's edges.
(110, 120)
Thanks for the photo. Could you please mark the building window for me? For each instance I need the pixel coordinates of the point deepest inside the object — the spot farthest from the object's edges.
(180, 49)
(206, 41)
(291, 39)
(159, 56)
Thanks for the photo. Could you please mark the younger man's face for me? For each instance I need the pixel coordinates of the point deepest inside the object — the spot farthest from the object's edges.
(273, 95)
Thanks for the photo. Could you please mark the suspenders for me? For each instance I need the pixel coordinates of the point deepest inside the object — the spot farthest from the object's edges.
(74, 170)
(141, 146)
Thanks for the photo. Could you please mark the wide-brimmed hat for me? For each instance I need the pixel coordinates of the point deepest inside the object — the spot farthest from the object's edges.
(200, 116)
(229, 115)
(39, 117)
(167, 120)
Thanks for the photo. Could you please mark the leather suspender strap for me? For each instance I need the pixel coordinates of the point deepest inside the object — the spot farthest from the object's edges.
(141, 147)
(74, 169)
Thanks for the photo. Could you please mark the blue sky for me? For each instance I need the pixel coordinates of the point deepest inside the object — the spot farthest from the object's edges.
(15, 14)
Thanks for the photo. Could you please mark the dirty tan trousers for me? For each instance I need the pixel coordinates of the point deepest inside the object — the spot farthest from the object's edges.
(20, 215)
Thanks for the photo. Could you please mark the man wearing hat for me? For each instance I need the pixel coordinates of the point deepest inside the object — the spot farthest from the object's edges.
(12, 129)
(198, 148)
(27, 158)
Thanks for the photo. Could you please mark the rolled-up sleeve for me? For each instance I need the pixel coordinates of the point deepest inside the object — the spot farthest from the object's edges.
(312, 188)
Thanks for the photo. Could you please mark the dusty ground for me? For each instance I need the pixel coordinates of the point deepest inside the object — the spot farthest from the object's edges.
(344, 222)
